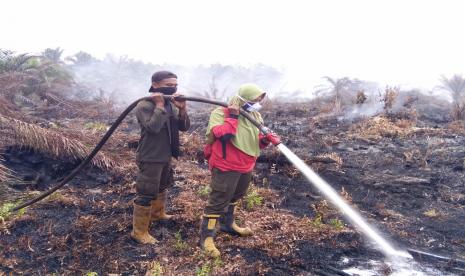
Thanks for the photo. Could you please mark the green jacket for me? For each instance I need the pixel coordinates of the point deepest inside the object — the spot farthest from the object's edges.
(246, 138)
(155, 138)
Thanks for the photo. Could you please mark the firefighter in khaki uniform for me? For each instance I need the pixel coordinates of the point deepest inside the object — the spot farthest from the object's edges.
(233, 145)
(160, 122)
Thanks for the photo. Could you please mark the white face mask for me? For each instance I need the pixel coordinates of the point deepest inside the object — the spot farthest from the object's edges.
(253, 107)
(250, 107)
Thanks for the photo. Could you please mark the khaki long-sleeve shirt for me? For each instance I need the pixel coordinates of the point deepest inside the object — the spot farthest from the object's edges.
(155, 138)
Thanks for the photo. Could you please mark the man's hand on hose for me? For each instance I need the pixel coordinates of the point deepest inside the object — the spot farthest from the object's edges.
(158, 100)
(273, 138)
(181, 105)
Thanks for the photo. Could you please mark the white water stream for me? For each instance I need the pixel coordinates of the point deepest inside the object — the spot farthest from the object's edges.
(333, 196)
(401, 262)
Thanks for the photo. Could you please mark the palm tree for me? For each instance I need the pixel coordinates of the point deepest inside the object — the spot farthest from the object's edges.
(341, 89)
(455, 85)
(81, 58)
(53, 55)
(9, 62)
(29, 80)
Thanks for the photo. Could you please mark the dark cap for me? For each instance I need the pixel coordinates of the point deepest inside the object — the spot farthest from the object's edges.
(161, 75)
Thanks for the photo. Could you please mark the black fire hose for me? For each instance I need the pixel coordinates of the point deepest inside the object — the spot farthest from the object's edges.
(113, 127)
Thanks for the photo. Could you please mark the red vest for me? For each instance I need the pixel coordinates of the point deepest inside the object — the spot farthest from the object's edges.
(234, 159)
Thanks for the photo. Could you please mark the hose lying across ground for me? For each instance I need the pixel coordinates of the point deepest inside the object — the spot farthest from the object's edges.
(112, 129)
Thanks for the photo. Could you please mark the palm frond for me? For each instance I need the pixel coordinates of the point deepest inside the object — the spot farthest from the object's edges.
(5, 173)
(24, 99)
(455, 85)
(53, 55)
(9, 62)
(6, 107)
(54, 143)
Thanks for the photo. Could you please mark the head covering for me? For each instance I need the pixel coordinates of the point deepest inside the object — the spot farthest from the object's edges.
(246, 138)
(161, 75)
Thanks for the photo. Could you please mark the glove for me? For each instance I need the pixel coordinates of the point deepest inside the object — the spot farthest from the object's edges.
(273, 138)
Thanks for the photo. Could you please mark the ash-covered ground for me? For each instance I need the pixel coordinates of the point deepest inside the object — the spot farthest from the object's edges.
(403, 170)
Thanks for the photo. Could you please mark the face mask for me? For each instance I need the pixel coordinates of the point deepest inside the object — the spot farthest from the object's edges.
(168, 90)
(251, 107)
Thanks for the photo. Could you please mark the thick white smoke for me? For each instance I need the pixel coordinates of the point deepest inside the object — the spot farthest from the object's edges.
(124, 80)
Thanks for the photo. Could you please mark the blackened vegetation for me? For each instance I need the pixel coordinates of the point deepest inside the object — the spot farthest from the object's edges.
(404, 173)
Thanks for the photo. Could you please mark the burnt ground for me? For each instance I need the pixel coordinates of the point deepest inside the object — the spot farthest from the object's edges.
(403, 172)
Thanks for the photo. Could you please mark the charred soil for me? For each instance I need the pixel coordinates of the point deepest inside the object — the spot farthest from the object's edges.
(404, 174)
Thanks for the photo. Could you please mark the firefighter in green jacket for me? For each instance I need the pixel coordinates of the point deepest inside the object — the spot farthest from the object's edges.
(160, 122)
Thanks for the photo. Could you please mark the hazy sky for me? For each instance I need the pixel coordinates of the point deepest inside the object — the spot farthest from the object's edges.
(392, 42)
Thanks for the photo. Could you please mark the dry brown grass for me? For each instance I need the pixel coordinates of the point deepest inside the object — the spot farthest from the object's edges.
(422, 155)
(457, 127)
(332, 107)
(5, 173)
(378, 127)
(432, 213)
(192, 143)
(6, 107)
(390, 96)
(410, 100)
(458, 111)
(418, 156)
(332, 157)
(327, 161)
(361, 97)
(12, 82)
(411, 155)
(26, 135)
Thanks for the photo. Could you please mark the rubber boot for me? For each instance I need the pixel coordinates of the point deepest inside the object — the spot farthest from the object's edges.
(207, 235)
(140, 225)
(159, 207)
(228, 224)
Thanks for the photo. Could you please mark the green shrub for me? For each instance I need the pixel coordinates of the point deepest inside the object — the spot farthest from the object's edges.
(317, 222)
(6, 213)
(155, 269)
(252, 199)
(180, 244)
(204, 191)
(96, 126)
(336, 223)
(204, 270)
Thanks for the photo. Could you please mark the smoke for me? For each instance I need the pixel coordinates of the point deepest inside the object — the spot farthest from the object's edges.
(222, 81)
(124, 80)
(364, 110)
(120, 79)
(427, 103)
